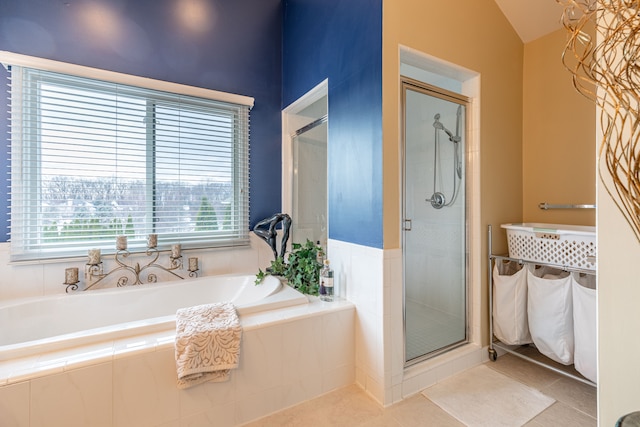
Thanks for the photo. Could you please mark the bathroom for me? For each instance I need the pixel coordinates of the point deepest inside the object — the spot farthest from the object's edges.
(521, 151)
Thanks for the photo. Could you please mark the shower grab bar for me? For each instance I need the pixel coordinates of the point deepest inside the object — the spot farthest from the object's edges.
(545, 206)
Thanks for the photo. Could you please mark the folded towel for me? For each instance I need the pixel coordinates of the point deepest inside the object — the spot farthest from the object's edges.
(207, 343)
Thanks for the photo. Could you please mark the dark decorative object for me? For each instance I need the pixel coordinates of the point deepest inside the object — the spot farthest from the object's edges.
(266, 230)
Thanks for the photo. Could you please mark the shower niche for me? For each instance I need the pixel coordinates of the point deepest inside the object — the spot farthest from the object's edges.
(434, 236)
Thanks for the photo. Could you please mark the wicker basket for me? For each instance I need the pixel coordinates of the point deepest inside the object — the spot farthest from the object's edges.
(559, 244)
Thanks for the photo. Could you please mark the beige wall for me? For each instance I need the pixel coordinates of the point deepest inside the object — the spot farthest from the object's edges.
(558, 149)
(473, 34)
(618, 318)
(537, 145)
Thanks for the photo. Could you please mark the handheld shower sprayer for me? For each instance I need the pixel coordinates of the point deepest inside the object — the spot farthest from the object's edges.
(438, 125)
(438, 199)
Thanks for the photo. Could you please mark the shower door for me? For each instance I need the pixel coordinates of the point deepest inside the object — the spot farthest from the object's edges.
(434, 221)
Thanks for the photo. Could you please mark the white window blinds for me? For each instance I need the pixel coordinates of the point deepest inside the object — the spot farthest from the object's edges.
(94, 159)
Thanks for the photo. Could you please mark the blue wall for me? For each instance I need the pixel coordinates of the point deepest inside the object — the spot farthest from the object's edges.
(342, 40)
(227, 45)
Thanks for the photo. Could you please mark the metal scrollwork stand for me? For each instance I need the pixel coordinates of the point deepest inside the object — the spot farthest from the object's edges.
(94, 272)
(71, 286)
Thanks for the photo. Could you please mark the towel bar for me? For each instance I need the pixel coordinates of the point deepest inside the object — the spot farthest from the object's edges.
(545, 206)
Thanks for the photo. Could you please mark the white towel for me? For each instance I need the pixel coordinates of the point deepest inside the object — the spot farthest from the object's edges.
(207, 343)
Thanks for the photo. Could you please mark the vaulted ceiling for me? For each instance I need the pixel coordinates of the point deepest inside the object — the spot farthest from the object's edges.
(532, 19)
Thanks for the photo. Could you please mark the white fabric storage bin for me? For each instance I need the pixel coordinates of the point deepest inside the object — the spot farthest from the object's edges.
(550, 313)
(584, 325)
(510, 323)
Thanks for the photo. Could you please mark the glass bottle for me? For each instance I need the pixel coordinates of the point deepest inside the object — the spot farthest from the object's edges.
(319, 253)
(326, 282)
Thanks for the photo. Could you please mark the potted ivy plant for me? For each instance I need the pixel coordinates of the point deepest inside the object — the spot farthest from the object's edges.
(301, 269)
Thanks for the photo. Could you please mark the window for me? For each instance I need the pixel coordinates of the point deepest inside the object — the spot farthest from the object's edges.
(94, 159)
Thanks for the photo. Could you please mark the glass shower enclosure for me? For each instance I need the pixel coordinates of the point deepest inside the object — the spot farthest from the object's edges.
(434, 237)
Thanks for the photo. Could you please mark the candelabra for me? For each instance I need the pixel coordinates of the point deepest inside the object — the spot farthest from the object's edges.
(129, 274)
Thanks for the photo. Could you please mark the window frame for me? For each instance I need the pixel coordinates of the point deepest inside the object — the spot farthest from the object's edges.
(240, 148)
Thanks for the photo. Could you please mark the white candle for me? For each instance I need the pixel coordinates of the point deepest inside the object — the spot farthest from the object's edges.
(71, 275)
(175, 250)
(193, 264)
(94, 257)
(121, 243)
(152, 241)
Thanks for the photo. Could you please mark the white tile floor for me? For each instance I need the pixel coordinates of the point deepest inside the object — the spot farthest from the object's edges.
(428, 330)
(575, 404)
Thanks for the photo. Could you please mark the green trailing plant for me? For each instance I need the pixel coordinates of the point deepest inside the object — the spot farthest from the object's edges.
(301, 268)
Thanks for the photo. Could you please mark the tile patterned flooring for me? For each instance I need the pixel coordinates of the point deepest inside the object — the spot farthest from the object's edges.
(575, 404)
(429, 330)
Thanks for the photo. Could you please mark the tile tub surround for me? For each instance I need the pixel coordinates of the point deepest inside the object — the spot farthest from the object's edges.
(30, 279)
(287, 356)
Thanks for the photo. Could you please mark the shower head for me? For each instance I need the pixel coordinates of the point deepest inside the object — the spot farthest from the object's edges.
(436, 122)
(438, 125)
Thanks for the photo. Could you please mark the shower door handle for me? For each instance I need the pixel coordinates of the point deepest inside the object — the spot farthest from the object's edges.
(407, 225)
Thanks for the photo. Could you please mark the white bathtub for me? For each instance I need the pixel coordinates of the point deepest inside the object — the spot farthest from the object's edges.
(44, 324)
(120, 371)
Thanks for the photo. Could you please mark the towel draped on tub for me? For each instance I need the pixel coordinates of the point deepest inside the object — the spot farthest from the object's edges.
(207, 343)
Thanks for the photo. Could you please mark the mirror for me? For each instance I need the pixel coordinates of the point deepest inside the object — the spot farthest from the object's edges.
(304, 192)
(309, 146)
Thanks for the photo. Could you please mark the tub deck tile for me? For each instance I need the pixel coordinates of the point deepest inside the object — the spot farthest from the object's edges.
(166, 340)
(33, 369)
(135, 345)
(9, 368)
(88, 355)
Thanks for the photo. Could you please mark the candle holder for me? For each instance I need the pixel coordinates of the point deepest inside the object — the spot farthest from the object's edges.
(71, 279)
(130, 273)
(93, 270)
(133, 271)
(193, 267)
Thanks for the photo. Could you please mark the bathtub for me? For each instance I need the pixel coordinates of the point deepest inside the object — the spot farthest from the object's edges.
(107, 357)
(53, 323)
